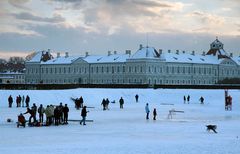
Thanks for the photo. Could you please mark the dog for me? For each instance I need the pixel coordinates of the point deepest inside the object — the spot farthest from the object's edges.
(211, 127)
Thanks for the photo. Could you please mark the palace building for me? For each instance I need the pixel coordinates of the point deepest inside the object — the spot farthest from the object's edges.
(146, 66)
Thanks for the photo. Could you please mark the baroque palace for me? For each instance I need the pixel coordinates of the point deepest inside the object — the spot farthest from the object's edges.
(146, 66)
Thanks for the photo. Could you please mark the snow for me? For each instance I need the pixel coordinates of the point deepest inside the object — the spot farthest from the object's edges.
(37, 57)
(145, 52)
(106, 59)
(126, 130)
(62, 60)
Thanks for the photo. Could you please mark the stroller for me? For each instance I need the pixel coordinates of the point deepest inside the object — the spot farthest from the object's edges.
(21, 121)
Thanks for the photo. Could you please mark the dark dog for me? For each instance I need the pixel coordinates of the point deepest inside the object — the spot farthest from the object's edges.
(211, 127)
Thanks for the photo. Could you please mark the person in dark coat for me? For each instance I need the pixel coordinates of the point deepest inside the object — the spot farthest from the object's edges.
(57, 115)
(188, 99)
(10, 101)
(184, 99)
(84, 115)
(19, 100)
(154, 113)
(32, 115)
(104, 104)
(27, 101)
(34, 109)
(136, 97)
(60, 108)
(107, 104)
(65, 113)
(81, 102)
(41, 111)
(121, 102)
(23, 100)
(201, 99)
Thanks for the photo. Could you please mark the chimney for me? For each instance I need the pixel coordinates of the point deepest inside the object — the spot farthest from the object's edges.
(58, 54)
(193, 53)
(66, 54)
(128, 52)
(231, 55)
(115, 52)
(203, 53)
(177, 52)
(183, 52)
(160, 51)
(169, 51)
(140, 46)
(86, 54)
(109, 53)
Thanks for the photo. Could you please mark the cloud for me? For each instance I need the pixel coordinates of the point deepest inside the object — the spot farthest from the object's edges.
(21, 4)
(30, 17)
(207, 18)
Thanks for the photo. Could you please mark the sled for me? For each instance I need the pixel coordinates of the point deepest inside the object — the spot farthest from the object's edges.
(173, 111)
(166, 104)
(73, 120)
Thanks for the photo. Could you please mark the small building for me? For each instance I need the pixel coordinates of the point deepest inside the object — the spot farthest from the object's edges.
(12, 78)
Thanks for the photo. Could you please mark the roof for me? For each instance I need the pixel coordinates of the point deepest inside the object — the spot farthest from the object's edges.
(37, 57)
(146, 52)
(62, 60)
(114, 58)
(237, 60)
(189, 58)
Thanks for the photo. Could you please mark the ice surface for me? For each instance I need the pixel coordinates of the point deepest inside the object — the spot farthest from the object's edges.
(126, 130)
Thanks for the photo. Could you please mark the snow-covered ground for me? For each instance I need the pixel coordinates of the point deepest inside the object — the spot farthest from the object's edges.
(126, 130)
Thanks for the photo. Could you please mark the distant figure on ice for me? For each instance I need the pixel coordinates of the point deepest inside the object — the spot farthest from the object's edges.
(136, 97)
(211, 127)
(84, 115)
(201, 99)
(21, 120)
(188, 99)
(23, 100)
(27, 101)
(10, 101)
(32, 115)
(121, 102)
(154, 113)
(41, 111)
(228, 104)
(107, 104)
(81, 102)
(104, 104)
(65, 114)
(147, 111)
(184, 99)
(34, 109)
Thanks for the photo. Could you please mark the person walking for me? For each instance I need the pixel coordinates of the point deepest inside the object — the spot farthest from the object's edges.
(147, 111)
(84, 115)
(121, 102)
(104, 104)
(107, 104)
(136, 97)
(65, 114)
(184, 99)
(201, 99)
(188, 99)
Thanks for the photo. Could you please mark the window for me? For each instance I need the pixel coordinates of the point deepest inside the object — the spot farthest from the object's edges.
(123, 68)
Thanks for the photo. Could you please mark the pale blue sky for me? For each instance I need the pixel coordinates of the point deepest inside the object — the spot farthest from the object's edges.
(97, 26)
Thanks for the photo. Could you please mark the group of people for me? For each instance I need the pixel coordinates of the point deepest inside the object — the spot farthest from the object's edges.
(105, 104)
(186, 99)
(78, 103)
(19, 100)
(201, 99)
(147, 110)
(54, 114)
